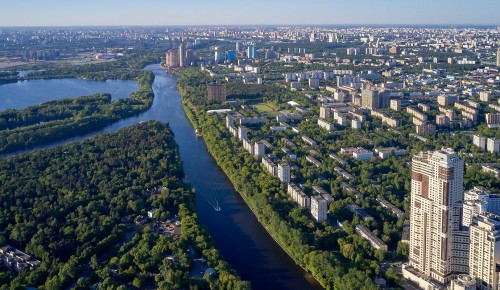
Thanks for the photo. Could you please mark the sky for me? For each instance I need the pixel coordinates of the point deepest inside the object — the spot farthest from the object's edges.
(245, 12)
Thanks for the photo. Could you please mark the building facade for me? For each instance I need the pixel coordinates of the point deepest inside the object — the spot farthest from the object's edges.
(216, 92)
(436, 199)
(484, 254)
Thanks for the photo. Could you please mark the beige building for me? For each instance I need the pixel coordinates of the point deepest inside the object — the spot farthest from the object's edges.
(437, 249)
(484, 255)
(396, 105)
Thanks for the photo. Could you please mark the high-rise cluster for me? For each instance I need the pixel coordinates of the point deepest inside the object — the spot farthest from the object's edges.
(450, 241)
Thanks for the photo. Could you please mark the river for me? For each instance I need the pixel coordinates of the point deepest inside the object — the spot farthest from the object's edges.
(241, 239)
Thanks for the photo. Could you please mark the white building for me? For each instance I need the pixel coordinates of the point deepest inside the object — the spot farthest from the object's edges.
(259, 149)
(242, 132)
(479, 141)
(362, 154)
(284, 172)
(395, 105)
(493, 145)
(437, 249)
(319, 208)
(484, 254)
(325, 125)
(463, 282)
(356, 124)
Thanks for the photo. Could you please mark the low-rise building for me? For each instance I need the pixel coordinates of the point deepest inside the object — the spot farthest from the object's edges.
(309, 141)
(384, 153)
(337, 158)
(325, 125)
(426, 129)
(355, 209)
(368, 235)
(383, 202)
(16, 261)
(362, 154)
(314, 161)
(349, 189)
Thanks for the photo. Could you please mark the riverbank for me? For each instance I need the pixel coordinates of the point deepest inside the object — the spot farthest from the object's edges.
(313, 247)
(192, 116)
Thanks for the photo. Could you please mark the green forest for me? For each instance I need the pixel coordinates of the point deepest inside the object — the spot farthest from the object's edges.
(73, 208)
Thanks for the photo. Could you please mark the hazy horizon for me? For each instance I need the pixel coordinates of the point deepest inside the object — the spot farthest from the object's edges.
(55, 13)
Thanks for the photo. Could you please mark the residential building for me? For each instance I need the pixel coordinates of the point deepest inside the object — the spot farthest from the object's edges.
(259, 149)
(368, 235)
(485, 96)
(319, 208)
(442, 120)
(325, 125)
(484, 253)
(324, 112)
(498, 57)
(313, 83)
(437, 249)
(362, 154)
(425, 129)
(216, 92)
(493, 145)
(463, 282)
(229, 121)
(182, 56)
(242, 132)
(479, 141)
(284, 172)
(16, 260)
(270, 166)
(172, 59)
(356, 124)
(395, 105)
(493, 120)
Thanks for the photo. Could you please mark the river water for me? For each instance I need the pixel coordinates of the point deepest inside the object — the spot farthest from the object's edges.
(33, 92)
(241, 239)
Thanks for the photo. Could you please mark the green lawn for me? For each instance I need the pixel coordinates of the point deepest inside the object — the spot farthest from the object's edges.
(263, 107)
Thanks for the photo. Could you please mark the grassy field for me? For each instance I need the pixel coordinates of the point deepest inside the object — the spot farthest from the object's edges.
(263, 107)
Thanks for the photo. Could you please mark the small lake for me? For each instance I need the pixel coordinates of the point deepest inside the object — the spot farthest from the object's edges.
(24, 94)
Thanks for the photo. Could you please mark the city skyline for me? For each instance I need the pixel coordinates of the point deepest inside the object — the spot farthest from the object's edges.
(258, 12)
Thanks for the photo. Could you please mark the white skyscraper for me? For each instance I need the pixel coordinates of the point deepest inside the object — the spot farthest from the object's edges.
(484, 254)
(438, 249)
